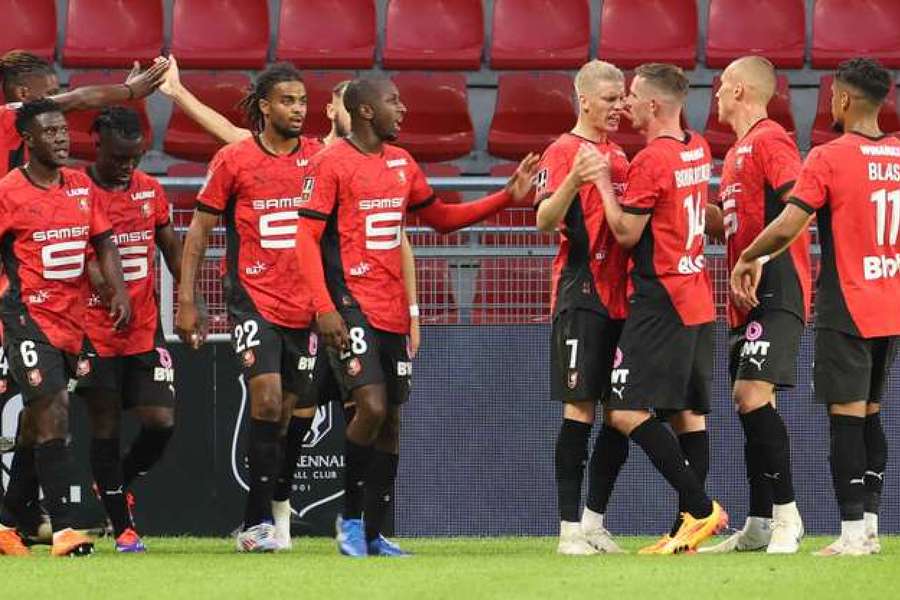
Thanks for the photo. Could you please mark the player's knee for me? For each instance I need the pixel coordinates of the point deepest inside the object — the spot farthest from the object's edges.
(752, 395)
(266, 405)
(625, 421)
(158, 418)
(583, 412)
(687, 421)
(51, 417)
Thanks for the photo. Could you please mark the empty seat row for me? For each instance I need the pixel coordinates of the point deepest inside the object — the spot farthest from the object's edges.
(449, 34)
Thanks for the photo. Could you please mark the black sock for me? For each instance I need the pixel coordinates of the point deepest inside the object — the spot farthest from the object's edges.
(293, 448)
(876, 461)
(571, 456)
(765, 430)
(265, 450)
(21, 492)
(760, 485)
(848, 464)
(357, 459)
(663, 451)
(695, 447)
(55, 469)
(107, 471)
(146, 450)
(610, 453)
(379, 491)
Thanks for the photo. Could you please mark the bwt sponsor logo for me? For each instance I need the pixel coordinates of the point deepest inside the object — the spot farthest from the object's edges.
(377, 203)
(881, 267)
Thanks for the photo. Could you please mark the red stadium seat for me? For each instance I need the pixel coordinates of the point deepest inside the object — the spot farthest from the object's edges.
(775, 29)
(222, 91)
(540, 34)
(512, 290)
(437, 126)
(30, 26)
(532, 110)
(633, 32)
(327, 34)
(220, 34)
(80, 122)
(100, 33)
(435, 292)
(822, 131)
(433, 34)
(183, 201)
(843, 30)
(319, 87)
(721, 137)
(627, 136)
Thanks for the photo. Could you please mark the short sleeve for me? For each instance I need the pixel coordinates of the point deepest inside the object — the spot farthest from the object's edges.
(645, 185)
(218, 187)
(779, 160)
(420, 193)
(320, 189)
(100, 224)
(163, 214)
(811, 189)
(553, 169)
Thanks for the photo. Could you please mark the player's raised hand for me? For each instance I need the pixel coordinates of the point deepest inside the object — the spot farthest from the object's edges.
(172, 81)
(588, 165)
(189, 324)
(143, 83)
(333, 329)
(120, 309)
(520, 182)
(744, 282)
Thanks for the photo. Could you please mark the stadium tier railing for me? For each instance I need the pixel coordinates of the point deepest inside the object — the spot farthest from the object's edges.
(496, 272)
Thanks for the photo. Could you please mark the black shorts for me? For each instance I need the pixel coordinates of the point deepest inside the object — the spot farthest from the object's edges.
(374, 357)
(38, 367)
(262, 347)
(145, 379)
(766, 349)
(583, 346)
(662, 365)
(324, 387)
(852, 369)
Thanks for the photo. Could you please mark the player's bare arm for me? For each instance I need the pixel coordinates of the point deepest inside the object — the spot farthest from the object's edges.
(137, 85)
(329, 322)
(111, 269)
(409, 282)
(214, 123)
(553, 209)
(188, 322)
(626, 227)
(775, 239)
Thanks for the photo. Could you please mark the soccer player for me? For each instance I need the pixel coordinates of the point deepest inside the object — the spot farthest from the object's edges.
(853, 185)
(589, 304)
(664, 359)
(48, 216)
(28, 77)
(359, 192)
(759, 172)
(131, 368)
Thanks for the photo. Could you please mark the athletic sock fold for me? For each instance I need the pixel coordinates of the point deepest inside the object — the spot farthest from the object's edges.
(570, 459)
(265, 454)
(609, 454)
(55, 470)
(695, 447)
(848, 464)
(107, 471)
(379, 491)
(357, 461)
(876, 462)
(293, 448)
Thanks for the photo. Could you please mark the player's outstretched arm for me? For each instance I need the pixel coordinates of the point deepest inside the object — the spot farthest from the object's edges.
(137, 85)
(111, 270)
(772, 241)
(214, 123)
(409, 282)
(450, 217)
(626, 227)
(189, 325)
(329, 322)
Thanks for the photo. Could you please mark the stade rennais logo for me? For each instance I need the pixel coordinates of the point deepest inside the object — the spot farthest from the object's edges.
(318, 484)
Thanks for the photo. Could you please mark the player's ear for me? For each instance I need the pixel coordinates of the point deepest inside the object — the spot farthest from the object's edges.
(366, 111)
(264, 106)
(330, 111)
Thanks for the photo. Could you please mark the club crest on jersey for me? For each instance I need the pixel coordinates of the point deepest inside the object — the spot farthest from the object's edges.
(35, 378)
(83, 367)
(401, 175)
(84, 205)
(146, 210)
(572, 381)
(354, 367)
(248, 358)
(309, 184)
(541, 181)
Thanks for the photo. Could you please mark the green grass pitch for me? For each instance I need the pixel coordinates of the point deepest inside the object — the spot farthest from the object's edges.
(455, 568)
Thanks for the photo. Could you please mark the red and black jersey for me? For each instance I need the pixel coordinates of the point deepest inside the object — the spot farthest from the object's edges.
(44, 236)
(853, 183)
(259, 193)
(364, 199)
(759, 170)
(590, 269)
(135, 215)
(12, 148)
(669, 180)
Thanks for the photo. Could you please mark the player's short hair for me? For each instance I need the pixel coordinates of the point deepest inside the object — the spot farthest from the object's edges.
(759, 73)
(362, 90)
(260, 89)
(16, 64)
(120, 120)
(667, 78)
(339, 89)
(867, 76)
(595, 71)
(29, 110)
